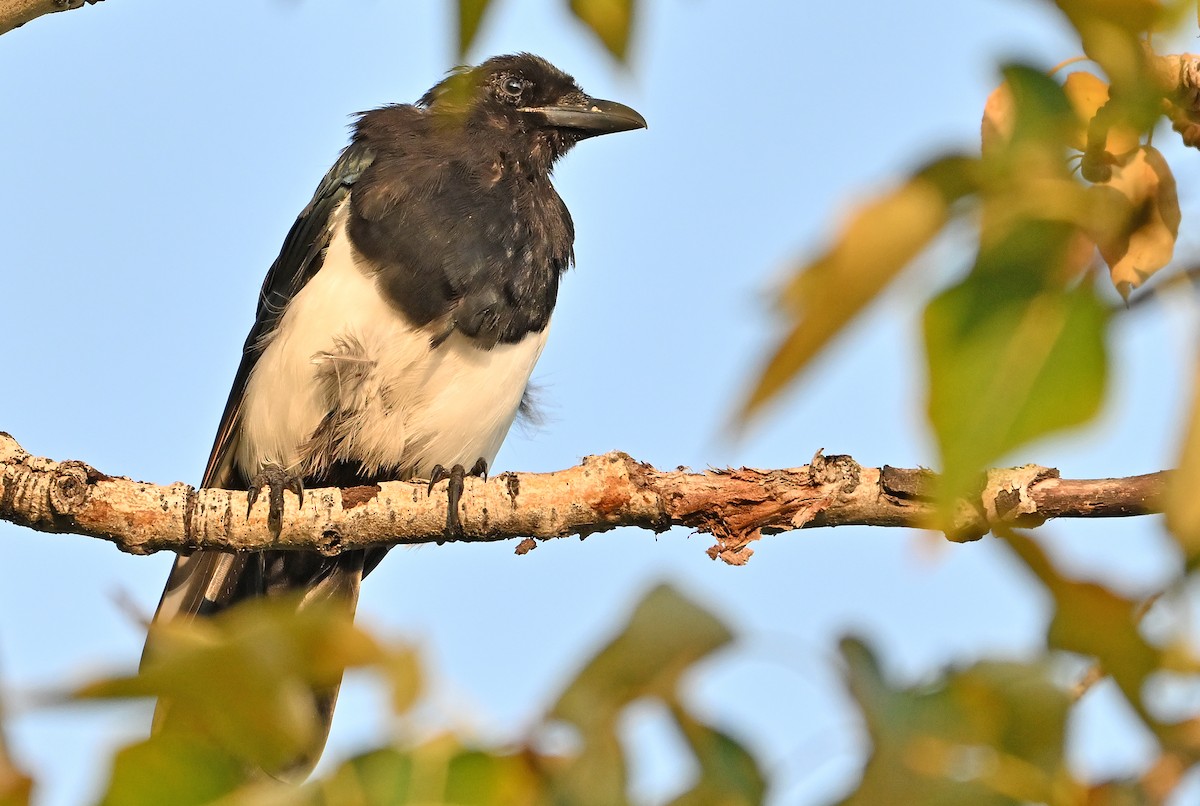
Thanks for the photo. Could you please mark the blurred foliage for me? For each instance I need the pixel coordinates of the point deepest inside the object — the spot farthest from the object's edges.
(1066, 181)
(259, 666)
(15, 786)
(988, 735)
(996, 732)
(610, 21)
(242, 679)
(470, 15)
(992, 734)
(1066, 194)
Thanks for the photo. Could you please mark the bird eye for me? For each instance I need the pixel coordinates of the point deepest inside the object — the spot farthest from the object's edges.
(513, 86)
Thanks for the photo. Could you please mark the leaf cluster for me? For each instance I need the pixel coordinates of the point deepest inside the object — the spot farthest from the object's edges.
(1067, 195)
(238, 692)
(1066, 181)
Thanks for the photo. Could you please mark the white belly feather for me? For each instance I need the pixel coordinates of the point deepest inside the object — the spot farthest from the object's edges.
(340, 345)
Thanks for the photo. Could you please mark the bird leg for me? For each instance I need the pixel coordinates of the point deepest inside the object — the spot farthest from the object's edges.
(276, 480)
(454, 489)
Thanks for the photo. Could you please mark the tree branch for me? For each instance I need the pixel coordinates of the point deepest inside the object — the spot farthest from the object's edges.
(15, 13)
(735, 506)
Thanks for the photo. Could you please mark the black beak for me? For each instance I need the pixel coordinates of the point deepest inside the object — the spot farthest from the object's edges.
(589, 118)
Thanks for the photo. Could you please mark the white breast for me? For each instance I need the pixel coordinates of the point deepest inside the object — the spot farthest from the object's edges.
(401, 404)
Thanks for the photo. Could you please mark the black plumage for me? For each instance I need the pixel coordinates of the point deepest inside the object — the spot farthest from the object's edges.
(396, 330)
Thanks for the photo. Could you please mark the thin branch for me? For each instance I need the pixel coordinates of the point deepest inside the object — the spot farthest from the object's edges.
(15, 13)
(1183, 280)
(736, 507)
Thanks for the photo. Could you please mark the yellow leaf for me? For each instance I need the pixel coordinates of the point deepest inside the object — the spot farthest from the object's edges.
(997, 126)
(610, 20)
(402, 667)
(879, 240)
(1111, 32)
(884, 232)
(1039, 192)
(1183, 504)
(1132, 16)
(1087, 94)
(253, 678)
(1137, 218)
(16, 788)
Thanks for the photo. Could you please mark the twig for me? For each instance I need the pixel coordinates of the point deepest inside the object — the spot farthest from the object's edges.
(15, 13)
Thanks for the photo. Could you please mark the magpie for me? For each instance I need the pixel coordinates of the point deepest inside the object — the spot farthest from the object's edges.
(397, 330)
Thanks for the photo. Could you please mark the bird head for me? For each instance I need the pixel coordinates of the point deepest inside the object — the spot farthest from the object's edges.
(524, 96)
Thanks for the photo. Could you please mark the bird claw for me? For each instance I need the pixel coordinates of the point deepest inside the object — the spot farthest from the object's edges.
(454, 490)
(275, 479)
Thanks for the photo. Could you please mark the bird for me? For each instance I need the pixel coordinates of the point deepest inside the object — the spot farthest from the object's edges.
(397, 330)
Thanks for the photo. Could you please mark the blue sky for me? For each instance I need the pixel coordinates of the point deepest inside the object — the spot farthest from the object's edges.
(155, 155)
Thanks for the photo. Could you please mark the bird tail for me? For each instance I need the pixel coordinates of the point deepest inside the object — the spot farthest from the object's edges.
(206, 583)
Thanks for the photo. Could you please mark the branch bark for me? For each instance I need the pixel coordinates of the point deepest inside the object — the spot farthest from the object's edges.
(15, 13)
(737, 507)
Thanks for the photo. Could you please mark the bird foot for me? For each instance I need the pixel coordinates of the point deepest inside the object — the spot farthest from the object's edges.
(275, 480)
(454, 489)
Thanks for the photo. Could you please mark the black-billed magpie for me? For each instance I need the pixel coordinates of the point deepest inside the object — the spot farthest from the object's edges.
(397, 330)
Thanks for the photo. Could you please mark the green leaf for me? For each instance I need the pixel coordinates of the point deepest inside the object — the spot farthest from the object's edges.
(1030, 107)
(470, 15)
(988, 735)
(1042, 110)
(1091, 620)
(440, 771)
(881, 238)
(666, 634)
(171, 769)
(1079, 607)
(596, 775)
(252, 679)
(729, 775)
(1009, 363)
(478, 778)
(378, 778)
(610, 20)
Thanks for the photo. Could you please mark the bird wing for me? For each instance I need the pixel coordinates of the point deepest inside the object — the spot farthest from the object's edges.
(299, 260)
(207, 579)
